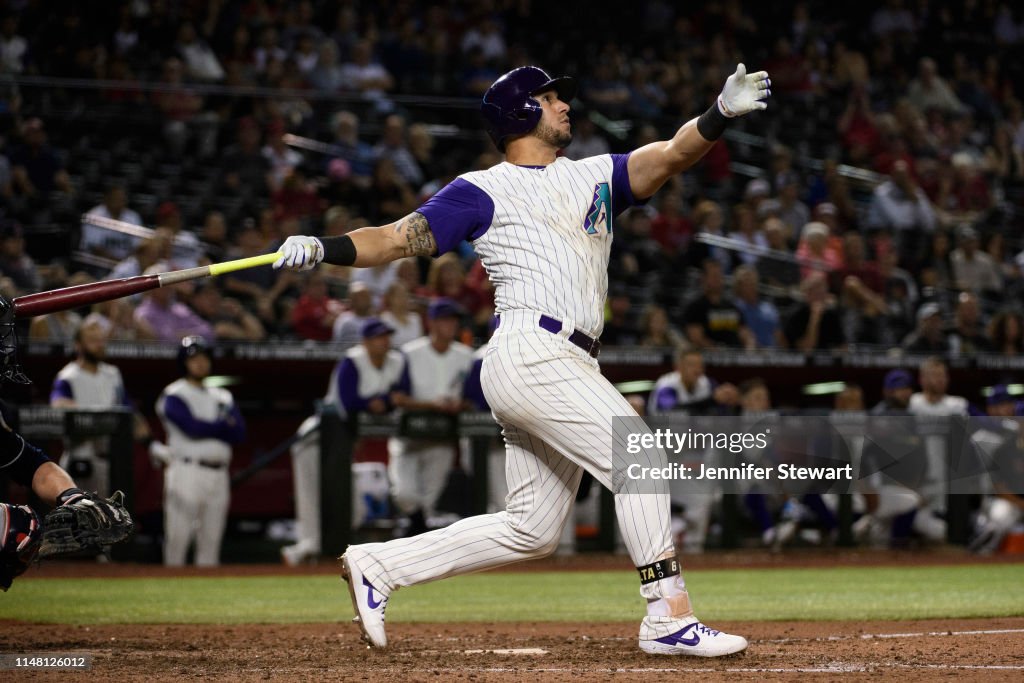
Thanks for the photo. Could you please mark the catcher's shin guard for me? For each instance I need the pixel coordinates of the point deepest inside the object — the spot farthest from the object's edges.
(20, 534)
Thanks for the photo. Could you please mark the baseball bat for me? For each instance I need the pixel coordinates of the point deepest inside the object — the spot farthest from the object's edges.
(263, 460)
(94, 292)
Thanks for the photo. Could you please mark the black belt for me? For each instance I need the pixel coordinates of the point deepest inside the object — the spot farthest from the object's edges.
(209, 464)
(580, 339)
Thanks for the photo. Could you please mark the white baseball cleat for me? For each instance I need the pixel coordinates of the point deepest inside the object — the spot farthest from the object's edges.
(368, 602)
(687, 636)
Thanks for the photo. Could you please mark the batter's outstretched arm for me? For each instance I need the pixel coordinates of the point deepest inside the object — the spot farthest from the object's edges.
(363, 248)
(651, 165)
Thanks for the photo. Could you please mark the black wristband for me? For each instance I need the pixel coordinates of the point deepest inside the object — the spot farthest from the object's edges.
(339, 251)
(712, 123)
(656, 571)
(65, 496)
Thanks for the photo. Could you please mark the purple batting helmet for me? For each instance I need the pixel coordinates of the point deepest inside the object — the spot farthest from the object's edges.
(508, 106)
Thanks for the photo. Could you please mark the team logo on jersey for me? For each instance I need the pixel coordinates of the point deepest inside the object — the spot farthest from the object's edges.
(600, 212)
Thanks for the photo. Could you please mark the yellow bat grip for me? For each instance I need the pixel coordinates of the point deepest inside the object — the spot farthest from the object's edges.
(243, 263)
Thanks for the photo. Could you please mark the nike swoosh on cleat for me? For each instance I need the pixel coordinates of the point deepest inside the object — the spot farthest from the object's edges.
(677, 638)
(374, 604)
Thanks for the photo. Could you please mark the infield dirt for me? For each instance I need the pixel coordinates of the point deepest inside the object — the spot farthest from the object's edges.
(964, 649)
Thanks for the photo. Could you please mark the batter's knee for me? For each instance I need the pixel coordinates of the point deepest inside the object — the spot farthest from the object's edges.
(535, 542)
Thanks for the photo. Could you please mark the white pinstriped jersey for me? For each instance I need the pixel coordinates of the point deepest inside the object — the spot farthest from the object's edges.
(543, 233)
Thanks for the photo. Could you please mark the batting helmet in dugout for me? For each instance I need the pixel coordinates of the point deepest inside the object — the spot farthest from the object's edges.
(192, 345)
(508, 106)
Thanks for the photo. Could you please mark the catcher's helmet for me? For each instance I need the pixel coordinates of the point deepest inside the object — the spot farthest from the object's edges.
(508, 106)
(191, 346)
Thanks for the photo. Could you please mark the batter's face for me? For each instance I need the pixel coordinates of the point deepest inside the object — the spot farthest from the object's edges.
(554, 127)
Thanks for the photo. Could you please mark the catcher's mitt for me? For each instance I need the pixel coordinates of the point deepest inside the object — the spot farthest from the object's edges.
(85, 522)
(20, 534)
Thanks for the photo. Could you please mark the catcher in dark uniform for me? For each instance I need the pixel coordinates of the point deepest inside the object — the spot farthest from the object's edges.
(79, 521)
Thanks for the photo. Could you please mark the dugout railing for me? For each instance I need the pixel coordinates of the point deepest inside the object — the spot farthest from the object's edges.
(338, 438)
(54, 428)
(57, 429)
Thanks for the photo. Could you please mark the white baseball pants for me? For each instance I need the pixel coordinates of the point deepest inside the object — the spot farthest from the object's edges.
(556, 411)
(418, 473)
(195, 507)
(306, 485)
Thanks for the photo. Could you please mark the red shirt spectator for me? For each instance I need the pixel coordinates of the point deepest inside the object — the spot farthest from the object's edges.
(670, 228)
(855, 264)
(715, 163)
(296, 198)
(314, 313)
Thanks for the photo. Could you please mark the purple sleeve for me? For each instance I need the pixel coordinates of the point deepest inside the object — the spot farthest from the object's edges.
(124, 400)
(622, 193)
(177, 412)
(233, 431)
(61, 389)
(348, 387)
(666, 399)
(459, 211)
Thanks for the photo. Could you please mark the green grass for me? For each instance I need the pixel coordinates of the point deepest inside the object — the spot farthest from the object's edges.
(736, 594)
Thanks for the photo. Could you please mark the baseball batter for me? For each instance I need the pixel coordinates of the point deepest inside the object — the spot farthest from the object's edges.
(542, 226)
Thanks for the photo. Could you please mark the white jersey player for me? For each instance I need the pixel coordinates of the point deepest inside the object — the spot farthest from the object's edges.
(436, 367)
(202, 423)
(88, 382)
(933, 403)
(688, 391)
(362, 381)
(542, 226)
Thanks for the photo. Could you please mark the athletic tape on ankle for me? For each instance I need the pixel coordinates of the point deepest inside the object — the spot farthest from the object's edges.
(656, 571)
(672, 606)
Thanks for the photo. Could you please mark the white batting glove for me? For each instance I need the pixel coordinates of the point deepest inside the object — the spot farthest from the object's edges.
(744, 93)
(300, 252)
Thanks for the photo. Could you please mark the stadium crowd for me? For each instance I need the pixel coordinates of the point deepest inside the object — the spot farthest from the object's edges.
(880, 212)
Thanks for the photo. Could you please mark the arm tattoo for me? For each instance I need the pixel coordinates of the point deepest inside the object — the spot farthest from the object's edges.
(419, 240)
